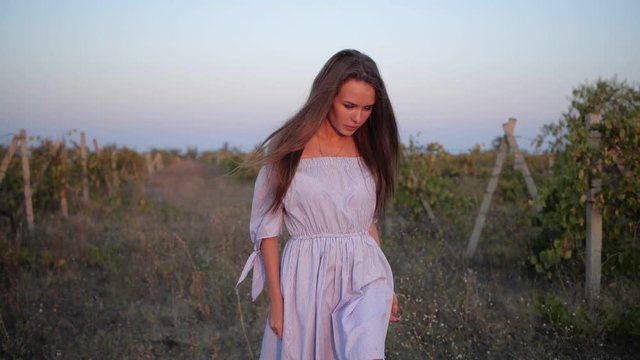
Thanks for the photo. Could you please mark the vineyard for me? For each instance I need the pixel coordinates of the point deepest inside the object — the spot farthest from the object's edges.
(106, 252)
(54, 174)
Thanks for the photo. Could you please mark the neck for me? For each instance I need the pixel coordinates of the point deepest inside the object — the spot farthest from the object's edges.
(328, 133)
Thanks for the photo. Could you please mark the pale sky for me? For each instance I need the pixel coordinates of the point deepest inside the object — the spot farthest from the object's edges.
(200, 73)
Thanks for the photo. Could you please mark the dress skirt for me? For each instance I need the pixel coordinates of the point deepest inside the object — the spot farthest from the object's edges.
(336, 283)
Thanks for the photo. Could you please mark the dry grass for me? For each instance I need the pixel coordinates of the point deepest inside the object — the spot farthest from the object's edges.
(155, 278)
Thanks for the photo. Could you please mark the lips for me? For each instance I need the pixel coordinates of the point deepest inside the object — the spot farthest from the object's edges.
(351, 128)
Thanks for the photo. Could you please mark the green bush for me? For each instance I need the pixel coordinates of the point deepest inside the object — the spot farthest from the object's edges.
(563, 195)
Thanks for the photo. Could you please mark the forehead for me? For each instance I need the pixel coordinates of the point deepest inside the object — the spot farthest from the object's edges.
(358, 92)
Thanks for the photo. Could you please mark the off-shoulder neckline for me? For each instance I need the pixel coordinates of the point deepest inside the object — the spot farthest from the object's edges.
(331, 157)
(329, 160)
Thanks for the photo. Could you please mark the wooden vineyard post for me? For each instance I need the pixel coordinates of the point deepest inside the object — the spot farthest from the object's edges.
(26, 177)
(64, 208)
(149, 163)
(486, 201)
(594, 217)
(507, 142)
(7, 158)
(519, 162)
(114, 169)
(85, 171)
(157, 161)
(154, 163)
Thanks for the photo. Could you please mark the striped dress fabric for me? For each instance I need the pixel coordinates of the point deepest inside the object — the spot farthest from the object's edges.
(336, 283)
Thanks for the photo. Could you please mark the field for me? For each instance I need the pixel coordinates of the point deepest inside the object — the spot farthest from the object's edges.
(153, 276)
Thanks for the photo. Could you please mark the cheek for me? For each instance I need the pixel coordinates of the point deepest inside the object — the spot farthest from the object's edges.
(335, 110)
(340, 113)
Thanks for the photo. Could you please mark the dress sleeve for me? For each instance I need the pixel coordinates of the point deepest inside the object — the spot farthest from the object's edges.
(262, 224)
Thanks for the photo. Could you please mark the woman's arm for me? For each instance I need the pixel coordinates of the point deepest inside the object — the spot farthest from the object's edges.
(270, 256)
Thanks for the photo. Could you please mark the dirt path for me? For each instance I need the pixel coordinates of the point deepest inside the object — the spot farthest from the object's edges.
(181, 182)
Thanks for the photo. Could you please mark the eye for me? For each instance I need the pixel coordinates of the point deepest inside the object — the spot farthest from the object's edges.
(368, 108)
(349, 105)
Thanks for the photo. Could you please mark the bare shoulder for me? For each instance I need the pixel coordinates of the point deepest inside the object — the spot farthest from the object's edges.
(310, 150)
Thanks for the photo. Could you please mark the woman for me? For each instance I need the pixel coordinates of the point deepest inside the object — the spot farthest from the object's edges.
(327, 174)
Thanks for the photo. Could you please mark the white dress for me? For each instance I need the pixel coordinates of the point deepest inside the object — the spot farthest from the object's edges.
(336, 283)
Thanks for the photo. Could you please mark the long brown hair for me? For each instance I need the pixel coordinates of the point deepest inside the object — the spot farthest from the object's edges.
(377, 140)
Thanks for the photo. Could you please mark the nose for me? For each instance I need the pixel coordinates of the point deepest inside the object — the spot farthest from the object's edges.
(357, 117)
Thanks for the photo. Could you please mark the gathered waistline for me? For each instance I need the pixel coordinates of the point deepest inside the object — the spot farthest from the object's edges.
(328, 235)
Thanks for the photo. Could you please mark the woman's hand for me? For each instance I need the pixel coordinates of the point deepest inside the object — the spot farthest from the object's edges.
(395, 317)
(276, 316)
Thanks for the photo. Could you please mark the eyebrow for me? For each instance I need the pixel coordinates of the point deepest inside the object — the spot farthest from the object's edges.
(352, 103)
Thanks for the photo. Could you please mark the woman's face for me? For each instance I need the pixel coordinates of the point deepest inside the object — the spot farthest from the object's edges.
(352, 106)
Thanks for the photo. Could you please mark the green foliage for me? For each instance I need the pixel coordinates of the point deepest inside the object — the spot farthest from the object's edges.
(577, 323)
(51, 172)
(29, 258)
(569, 322)
(562, 241)
(11, 196)
(625, 323)
(452, 184)
(229, 160)
(427, 175)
